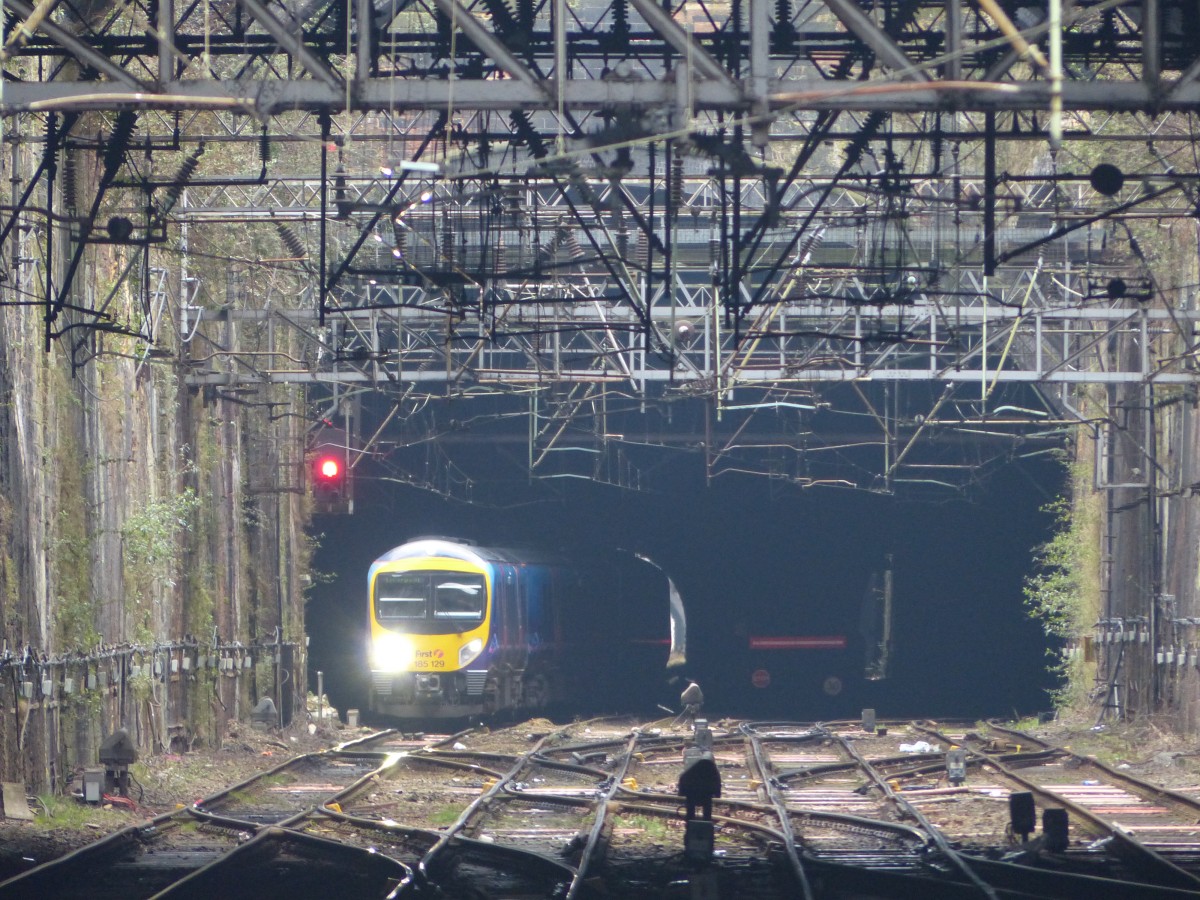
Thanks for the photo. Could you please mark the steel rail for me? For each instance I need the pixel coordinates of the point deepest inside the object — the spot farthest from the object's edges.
(214, 879)
(1144, 789)
(595, 835)
(90, 858)
(1013, 877)
(1149, 862)
(522, 858)
(770, 787)
(1136, 786)
(205, 805)
(431, 856)
(916, 815)
(829, 819)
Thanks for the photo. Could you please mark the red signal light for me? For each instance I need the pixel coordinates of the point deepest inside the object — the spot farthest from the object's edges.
(330, 477)
(328, 468)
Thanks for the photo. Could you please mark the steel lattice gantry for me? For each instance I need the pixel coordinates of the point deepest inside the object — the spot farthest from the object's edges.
(829, 241)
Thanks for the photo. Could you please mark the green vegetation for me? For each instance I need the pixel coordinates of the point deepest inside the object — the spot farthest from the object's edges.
(1029, 723)
(1064, 594)
(656, 828)
(150, 532)
(67, 813)
(151, 550)
(445, 815)
(72, 606)
(1054, 594)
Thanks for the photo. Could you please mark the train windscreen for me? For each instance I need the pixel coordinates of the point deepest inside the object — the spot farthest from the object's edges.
(430, 602)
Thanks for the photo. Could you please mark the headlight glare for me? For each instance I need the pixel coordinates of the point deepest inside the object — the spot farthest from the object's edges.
(391, 652)
(468, 651)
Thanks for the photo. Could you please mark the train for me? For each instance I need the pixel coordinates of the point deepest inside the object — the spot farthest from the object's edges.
(459, 630)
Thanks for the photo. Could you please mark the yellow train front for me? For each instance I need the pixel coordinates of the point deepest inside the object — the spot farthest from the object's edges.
(459, 630)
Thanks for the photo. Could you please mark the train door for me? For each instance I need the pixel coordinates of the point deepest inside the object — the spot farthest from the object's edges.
(521, 617)
(502, 603)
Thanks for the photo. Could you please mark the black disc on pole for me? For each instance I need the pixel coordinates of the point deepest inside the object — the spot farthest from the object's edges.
(1107, 179)
(119, 228)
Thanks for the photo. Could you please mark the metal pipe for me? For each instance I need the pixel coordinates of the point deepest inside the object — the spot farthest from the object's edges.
(1055, 74)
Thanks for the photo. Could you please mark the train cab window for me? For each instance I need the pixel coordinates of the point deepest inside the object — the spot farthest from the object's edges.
(401, 597)
(430, 602)
(459, 598)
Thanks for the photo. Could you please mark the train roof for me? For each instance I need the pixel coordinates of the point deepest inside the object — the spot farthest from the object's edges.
(452, 548)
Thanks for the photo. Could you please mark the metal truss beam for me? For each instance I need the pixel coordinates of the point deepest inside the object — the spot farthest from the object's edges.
(1054, 347)
(269, 98)
(890, 53)
(289, 40)
(756, 216)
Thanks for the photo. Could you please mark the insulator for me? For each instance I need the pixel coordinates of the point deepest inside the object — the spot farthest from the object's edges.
(447, 242)
(809, 243)
(264, 148)
(69, 187)
(526, 133)
(677, 181)
(622, 241)
(620, 14)
(936, 143)
(640, 252)
(586, 195)
(182, 177)
(443, 28)
(114, 148)
(292, 241)
(783, 34)
(547, 251)
(525, 14)
(502, 17)
(515, 258)
(866, 133)
(574, 247)
(339, 184)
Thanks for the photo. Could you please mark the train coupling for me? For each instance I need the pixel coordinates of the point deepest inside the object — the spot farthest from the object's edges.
(427, 685)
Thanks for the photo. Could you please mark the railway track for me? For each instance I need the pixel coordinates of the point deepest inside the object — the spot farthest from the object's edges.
(592, 809)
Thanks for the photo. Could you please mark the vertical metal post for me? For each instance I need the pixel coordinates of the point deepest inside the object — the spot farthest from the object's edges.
(954, 70)
(669, 218)
(1151, 40)
(1055, 74)
(320, 697)
(1151, 567)
(983, 346)
(560, 68)
(51, 170)
(646, 332)
(321, 279)
(1, 76)
(164, 33)
(989, 193)
(363, 52)
(760, 37)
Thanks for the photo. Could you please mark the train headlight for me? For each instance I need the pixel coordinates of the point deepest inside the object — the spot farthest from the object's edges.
(392, 652)
(468, 651)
